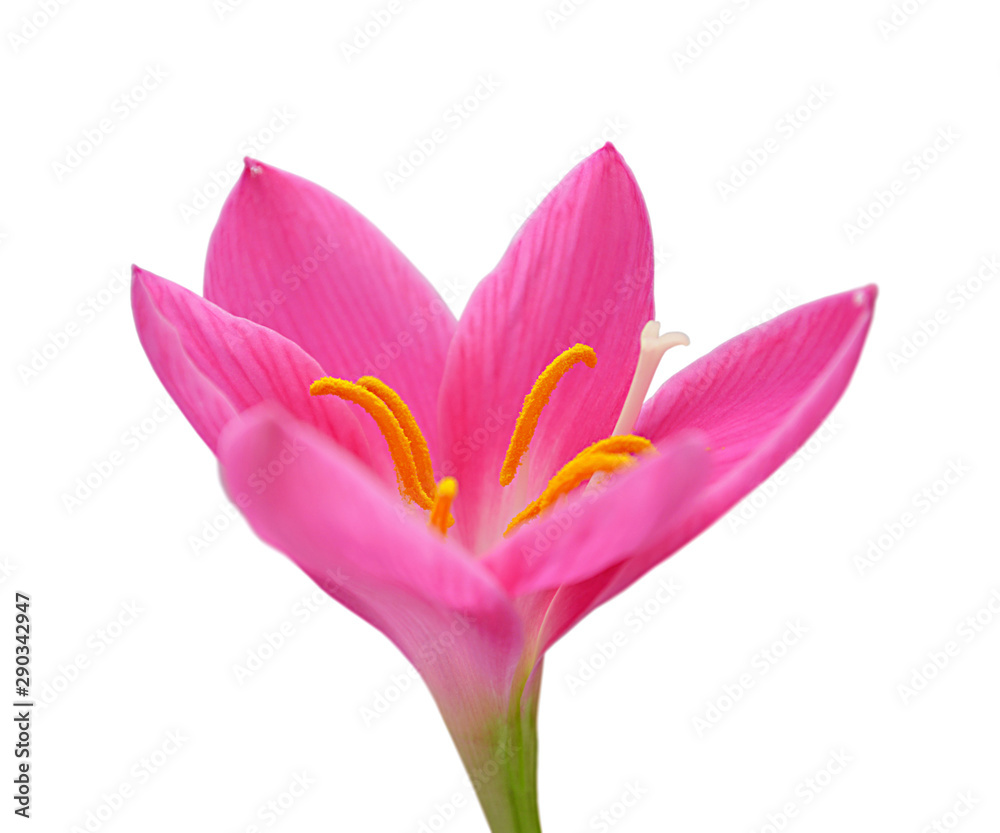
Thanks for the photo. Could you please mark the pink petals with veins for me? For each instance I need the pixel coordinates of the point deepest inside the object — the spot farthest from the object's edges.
(298, 286)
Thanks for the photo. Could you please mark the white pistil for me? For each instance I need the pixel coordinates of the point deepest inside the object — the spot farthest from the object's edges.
(652, 346)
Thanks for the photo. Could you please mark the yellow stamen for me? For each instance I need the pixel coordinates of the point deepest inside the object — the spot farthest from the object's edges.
(418, 445)
(440, 515)
(582, 467)
(537, 399)
(618, 444)
(395, 437)
(624, 444)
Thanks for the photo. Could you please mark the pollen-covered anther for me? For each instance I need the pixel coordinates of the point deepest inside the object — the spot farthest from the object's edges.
(620, 444)
(535, 401)
(418, 444)
(400, 448)
(582, 467)
(441, 517)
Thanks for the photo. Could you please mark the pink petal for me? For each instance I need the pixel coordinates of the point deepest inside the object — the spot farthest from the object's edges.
(216, 365)
(760, 395)
(305, 497)
(292, 256)
(757, 398)
(600, 527)
(579, 270)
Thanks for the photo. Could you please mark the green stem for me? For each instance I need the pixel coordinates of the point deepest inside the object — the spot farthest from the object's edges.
(503, 764)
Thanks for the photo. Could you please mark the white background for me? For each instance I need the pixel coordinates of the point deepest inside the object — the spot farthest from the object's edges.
(788, 556)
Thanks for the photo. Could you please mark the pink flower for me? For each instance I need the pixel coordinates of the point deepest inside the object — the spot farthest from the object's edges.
(301, 289)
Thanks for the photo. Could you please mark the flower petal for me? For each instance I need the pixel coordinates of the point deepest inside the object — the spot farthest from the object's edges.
(325, 512)
(760, 395)
(216, 365)
(292, 256)
(757, 398)
(580, 270)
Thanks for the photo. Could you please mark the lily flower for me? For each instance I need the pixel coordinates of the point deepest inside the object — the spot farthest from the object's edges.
(475, 487)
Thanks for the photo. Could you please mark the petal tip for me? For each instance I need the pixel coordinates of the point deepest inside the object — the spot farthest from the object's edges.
(609, 154)
(607, 165)
(603, 161)
(863, 301)
(866, 295)
(252, 167)
(142, 277)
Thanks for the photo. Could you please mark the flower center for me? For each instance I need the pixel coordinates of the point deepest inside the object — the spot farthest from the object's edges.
(411, 457)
